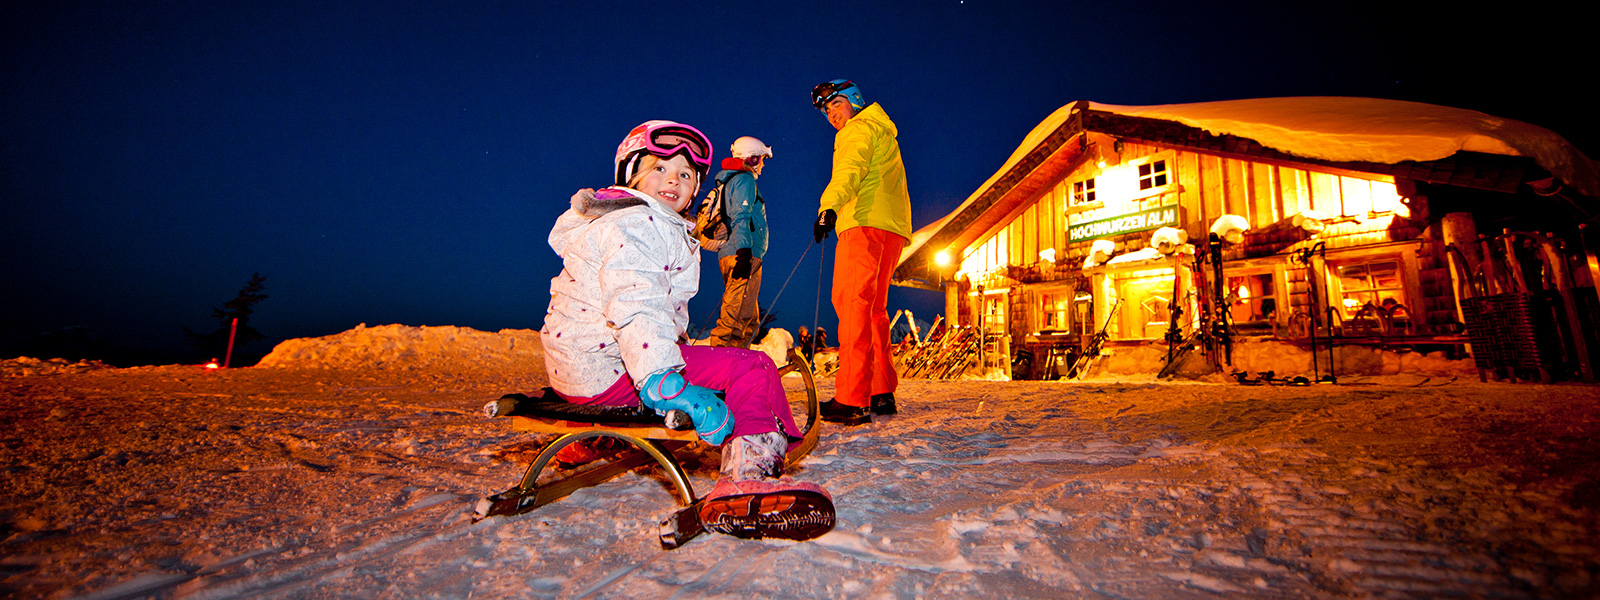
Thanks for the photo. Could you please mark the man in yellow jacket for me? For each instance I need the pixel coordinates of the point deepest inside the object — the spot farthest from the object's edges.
(866, 201)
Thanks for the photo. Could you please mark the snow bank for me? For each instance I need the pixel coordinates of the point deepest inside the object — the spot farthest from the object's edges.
(1288, 360)
(27, 365)
(405, 347)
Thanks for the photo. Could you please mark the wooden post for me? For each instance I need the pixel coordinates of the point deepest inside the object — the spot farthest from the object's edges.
(952, 302)
(1103, 290)
(1460, 231)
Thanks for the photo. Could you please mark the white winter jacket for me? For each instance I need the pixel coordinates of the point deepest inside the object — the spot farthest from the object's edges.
(621, 302)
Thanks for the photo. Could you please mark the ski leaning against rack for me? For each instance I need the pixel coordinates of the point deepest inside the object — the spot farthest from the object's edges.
(1081, 366)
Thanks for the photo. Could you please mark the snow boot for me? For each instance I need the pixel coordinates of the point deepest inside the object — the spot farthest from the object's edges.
(768, 508)
(883, 404)
(756, 456)
(833, 411)
(753, 500)
(586, 451)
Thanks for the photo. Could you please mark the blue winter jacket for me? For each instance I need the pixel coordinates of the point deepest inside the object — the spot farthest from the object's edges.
(746, 213)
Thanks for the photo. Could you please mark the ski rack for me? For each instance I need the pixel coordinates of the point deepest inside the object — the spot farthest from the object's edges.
(908, 352)
(1212, 334)
(650, 438)
(945, 354)
(1313, 276)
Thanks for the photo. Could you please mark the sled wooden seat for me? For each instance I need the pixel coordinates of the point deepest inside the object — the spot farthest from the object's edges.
(654, 431)
(639, 427)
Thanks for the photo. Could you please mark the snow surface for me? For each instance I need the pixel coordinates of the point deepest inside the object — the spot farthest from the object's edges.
(323, 476)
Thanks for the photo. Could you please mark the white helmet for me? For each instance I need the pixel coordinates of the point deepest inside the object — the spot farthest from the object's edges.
(747, 146)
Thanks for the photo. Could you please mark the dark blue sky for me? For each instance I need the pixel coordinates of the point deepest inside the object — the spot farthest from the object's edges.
(402, 163)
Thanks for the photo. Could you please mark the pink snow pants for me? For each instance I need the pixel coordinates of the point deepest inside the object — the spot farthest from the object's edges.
(754, 392)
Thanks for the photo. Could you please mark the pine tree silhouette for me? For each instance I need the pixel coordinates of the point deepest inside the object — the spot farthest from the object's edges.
(214, 344)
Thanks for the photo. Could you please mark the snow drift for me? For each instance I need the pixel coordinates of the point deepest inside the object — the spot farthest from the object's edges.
(412, 348)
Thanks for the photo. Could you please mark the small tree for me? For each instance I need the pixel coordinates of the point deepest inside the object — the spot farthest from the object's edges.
(214, 344)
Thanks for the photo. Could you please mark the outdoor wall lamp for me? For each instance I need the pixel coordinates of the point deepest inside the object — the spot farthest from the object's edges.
(1107, 158)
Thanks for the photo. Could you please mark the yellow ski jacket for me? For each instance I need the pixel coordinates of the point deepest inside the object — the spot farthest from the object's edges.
(869, 182)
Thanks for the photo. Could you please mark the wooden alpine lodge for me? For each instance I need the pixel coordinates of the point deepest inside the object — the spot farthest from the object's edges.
(1210, 225)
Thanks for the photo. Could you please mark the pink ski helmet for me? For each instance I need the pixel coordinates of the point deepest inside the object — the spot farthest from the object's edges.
(663, 139)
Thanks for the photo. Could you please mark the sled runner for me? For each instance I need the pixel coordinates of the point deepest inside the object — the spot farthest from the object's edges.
(650, 439)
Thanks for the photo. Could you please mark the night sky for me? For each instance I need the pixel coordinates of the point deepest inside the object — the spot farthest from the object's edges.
(402, 163)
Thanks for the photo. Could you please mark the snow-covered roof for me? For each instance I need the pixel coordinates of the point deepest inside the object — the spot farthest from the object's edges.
(1330, 128)
(1377, 131)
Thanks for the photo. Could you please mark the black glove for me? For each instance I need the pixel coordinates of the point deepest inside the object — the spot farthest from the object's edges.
(741, 264)
(824, 224)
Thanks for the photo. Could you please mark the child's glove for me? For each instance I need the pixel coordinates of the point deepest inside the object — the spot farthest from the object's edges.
(741, 264)
(667, 391)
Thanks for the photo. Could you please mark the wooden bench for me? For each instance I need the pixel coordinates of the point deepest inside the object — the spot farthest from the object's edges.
(639, 427)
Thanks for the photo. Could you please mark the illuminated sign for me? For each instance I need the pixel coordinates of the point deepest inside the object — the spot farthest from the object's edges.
(1139, 221)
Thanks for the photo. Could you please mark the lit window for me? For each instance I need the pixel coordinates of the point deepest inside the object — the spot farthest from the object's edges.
(1377, 284)
(1153, 175)
(1083, 191)
(1054, 306)
(1251, 298)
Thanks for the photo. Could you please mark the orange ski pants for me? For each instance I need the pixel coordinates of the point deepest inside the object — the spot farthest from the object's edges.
(862, 265)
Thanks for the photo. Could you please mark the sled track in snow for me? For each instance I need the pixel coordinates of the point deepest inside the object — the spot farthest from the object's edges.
(297, 565)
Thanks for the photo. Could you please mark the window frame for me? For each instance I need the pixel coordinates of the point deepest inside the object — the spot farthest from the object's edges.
(1168, 164)
(1086, 196)
(1399, 291)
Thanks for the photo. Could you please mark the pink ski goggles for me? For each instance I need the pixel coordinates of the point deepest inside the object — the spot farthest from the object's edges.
(666, 139)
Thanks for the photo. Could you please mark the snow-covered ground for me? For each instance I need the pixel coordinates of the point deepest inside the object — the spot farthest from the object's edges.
(326, 475)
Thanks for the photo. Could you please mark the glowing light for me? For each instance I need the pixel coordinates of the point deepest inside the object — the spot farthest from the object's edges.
(212, 365)
(942, 258)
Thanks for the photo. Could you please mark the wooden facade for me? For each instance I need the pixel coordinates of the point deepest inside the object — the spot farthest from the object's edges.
(1328, 244)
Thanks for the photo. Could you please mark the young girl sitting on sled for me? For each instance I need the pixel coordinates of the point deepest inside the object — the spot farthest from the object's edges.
(619, 309)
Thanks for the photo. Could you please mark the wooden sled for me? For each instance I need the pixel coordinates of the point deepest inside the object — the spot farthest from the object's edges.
(651, 441)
